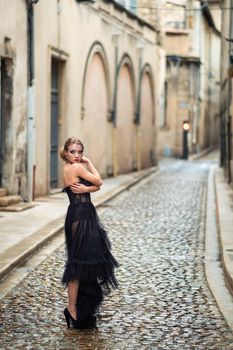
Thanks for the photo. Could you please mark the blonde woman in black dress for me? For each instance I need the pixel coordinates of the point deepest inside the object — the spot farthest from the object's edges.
(89, 271)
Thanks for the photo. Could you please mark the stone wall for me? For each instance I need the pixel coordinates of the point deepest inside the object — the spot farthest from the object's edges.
(13, 78)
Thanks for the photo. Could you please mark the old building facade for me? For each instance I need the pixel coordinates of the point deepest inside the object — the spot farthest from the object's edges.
(141, 64)
(95, 66)
(13, 96)
(98, 86)
(189, 33)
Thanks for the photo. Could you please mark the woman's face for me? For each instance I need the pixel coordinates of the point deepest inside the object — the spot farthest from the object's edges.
(74, 154)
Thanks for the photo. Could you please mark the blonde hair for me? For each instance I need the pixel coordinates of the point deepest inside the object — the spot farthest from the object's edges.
(69, 141)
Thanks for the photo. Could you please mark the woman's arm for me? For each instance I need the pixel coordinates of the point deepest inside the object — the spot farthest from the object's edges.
(80, 188)
(91, 168)
(90, 174)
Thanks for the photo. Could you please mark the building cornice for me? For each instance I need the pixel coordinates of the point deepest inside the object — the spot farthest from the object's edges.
(174, 31)
(130, 14)
(183, 58)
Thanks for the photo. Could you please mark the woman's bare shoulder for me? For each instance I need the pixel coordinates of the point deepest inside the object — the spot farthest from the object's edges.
(78, 167)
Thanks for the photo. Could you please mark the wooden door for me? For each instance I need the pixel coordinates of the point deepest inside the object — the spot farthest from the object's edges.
(54, 124)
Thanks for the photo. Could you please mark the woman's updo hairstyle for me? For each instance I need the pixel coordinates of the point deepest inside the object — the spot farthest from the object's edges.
(69, 141)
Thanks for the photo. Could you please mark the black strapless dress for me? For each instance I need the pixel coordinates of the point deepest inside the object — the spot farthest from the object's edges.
(89, 258)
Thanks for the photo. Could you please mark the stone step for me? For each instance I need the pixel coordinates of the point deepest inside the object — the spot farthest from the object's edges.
(5, 201)
(3, 192)
(18, 206)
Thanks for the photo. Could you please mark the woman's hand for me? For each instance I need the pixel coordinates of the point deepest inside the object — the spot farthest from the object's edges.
(87, 171)
(85, 160)
(79, 188)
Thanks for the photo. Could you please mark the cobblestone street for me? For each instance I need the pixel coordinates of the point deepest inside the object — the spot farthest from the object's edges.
(157, 231)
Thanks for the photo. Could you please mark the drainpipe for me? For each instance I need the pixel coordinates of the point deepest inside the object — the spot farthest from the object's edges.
(116, 33)
(229, 120)
(222, 155)
(209, 128)
(30, 103)
(138, 117)
(114, 131)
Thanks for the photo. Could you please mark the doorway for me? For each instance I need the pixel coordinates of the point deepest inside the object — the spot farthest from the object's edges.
(54, 137)
(6, 91)
(1, 122)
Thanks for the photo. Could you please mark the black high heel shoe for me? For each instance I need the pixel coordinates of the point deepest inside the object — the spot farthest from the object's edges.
(70, 319)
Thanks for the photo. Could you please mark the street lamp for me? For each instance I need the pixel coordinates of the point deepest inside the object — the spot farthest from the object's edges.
(186, 127)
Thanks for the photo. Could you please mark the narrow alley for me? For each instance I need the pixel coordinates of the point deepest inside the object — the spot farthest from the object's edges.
(163, 302)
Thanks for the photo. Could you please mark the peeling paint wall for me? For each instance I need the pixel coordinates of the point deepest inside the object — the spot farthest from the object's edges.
(13, 53)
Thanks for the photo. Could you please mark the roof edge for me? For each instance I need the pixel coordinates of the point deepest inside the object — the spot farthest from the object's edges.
(131, 14)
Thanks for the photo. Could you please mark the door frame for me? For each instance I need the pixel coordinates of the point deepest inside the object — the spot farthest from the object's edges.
(54, 122)
(62, 57)
(6, 126)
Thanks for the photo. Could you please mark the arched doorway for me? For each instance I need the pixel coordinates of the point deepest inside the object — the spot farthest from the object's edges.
(126, 129)
(147, 124)
(95, 127)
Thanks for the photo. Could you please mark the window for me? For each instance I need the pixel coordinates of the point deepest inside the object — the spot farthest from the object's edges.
(175, 16)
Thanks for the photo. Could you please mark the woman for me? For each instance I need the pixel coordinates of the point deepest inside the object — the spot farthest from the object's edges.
(89, 271)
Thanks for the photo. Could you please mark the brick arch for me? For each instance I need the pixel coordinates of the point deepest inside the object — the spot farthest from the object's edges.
(126, 61)
(95, 129)
(146, 69)
(96, 48)
(146, 117)
(125, 111)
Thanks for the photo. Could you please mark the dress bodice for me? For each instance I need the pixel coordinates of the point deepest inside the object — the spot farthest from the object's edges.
(78, 197)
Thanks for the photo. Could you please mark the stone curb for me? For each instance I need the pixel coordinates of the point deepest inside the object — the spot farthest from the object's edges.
(215, 274)
(202, 153)
(225, 224)
(17, 254)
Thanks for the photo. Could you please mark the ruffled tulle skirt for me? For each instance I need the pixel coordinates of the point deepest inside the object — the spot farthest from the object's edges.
(89, 258)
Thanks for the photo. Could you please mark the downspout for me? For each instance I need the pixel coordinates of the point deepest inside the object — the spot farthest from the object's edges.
(229, 120)
(209, 128)
(30, 103)
(114, 112)
(222, 155)
(138, 118)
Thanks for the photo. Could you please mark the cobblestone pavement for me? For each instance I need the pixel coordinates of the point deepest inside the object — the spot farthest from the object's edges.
(163, 302)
